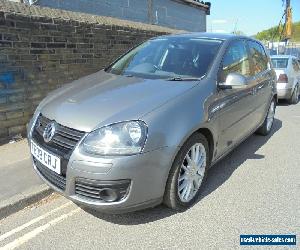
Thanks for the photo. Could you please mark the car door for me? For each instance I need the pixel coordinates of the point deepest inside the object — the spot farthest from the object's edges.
(263, 80)
(234, 105)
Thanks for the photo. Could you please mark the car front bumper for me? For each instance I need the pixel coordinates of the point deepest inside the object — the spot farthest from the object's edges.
(147, 174)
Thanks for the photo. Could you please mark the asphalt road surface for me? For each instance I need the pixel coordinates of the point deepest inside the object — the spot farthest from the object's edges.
(254, 190)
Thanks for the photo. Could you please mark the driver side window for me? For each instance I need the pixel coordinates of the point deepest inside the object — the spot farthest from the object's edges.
(235, 60)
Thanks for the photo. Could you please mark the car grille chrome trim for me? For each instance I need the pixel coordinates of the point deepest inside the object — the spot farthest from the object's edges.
(63, 142)
(64, 137)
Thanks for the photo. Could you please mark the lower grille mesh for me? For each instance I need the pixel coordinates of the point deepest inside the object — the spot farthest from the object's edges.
(55, 179)
(87, 189)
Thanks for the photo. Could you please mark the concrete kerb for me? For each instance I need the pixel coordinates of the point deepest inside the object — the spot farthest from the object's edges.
(22, 200)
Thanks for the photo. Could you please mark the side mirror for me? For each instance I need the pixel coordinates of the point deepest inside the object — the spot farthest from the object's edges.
(234, 81)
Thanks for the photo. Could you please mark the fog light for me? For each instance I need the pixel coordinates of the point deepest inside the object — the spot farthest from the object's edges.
(108, 195)
(102, 191)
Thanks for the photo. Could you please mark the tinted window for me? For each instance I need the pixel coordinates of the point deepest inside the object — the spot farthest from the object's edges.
(168, 57)
(235, 60)
(279, 63)
(258, 56)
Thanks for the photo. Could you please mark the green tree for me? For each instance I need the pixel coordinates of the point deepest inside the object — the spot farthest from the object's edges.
(274, 33)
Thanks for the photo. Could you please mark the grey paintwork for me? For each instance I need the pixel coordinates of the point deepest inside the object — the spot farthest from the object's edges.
(173, 111)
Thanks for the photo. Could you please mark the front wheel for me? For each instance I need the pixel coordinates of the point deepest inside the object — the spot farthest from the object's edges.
(188, 173)
(266, 128)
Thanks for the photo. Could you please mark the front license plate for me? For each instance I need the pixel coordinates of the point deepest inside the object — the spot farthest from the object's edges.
(49, 160)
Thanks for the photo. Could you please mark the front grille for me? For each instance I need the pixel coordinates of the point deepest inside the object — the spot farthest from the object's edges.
(55, 179)
(91, 188)
(63, 142)
(64, 137)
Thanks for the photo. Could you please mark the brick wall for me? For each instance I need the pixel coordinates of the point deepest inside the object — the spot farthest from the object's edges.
(43, 48)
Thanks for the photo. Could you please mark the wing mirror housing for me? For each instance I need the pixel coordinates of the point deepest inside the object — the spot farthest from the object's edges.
(234, 81)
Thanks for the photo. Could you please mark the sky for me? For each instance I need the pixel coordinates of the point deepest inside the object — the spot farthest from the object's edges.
(248, 16)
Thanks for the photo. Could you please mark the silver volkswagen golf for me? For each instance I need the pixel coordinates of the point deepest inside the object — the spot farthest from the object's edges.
(146, 129)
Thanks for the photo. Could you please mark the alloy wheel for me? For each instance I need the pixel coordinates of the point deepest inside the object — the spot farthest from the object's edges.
(192, 172)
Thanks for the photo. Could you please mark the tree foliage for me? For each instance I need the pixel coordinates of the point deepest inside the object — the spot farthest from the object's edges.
(275, 32)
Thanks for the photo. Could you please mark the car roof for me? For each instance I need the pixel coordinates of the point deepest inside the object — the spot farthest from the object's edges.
(217, 36)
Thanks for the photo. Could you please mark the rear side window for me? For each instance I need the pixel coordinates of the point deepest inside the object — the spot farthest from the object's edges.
(235, 60)
(280, 63)
(258, 56)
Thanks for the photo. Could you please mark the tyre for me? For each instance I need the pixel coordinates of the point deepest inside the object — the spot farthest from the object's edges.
(295, 96)
(266, 128)
(188, 173)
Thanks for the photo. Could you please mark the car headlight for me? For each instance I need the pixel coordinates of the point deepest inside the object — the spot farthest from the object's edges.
(124, 138)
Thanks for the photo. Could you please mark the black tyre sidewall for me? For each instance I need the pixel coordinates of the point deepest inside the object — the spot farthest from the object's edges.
(263, 130)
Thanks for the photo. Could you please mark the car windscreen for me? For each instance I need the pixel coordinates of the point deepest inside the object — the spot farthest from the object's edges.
(279, 63)
(168, 57)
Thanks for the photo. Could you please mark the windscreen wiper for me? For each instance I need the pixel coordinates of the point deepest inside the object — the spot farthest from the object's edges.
(179, 78)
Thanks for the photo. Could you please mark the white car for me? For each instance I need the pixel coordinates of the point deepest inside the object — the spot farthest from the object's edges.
(287, 69)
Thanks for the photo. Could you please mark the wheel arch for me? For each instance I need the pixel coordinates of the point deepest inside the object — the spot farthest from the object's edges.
(209, 136)
(210, 139)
